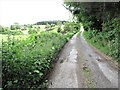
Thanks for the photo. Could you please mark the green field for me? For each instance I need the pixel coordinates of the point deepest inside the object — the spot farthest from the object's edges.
(16, 37)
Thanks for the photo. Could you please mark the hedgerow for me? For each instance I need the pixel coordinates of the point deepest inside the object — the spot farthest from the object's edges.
(26, 62)
(107, 40)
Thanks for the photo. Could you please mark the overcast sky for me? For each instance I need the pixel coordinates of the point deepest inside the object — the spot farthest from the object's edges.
(31, 11)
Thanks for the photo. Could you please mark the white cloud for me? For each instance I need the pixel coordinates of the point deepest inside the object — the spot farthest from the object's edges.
(31, 11)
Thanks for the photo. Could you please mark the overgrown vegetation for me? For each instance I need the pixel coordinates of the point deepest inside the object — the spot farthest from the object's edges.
(32, 31)
(70, 27)
(26, 62)
(108, 40)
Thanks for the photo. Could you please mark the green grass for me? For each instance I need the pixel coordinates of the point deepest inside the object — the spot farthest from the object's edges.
(89, 80)
(102, 46)
(96, 44)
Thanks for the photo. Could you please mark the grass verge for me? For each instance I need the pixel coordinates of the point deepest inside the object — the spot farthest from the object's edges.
(102, 45)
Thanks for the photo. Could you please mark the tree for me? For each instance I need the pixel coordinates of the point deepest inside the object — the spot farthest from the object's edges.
(94, 12)
(12, 27)
(59, 23)
(1, 29)
(15, 26)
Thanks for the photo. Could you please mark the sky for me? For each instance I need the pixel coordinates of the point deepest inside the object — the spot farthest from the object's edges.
(31, 11)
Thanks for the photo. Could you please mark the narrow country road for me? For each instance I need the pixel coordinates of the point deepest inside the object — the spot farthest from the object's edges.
(82, 66)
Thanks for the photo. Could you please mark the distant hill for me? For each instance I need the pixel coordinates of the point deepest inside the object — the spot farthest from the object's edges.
(49, 22)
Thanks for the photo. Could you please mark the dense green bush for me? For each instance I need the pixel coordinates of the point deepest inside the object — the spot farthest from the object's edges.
(32, 31)
(67, 27)
(71, 27)
(26, 62)
(58, 29)
(107, 40)
(49, 27)
(2, 29)
(111, 34)
(15, 26)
